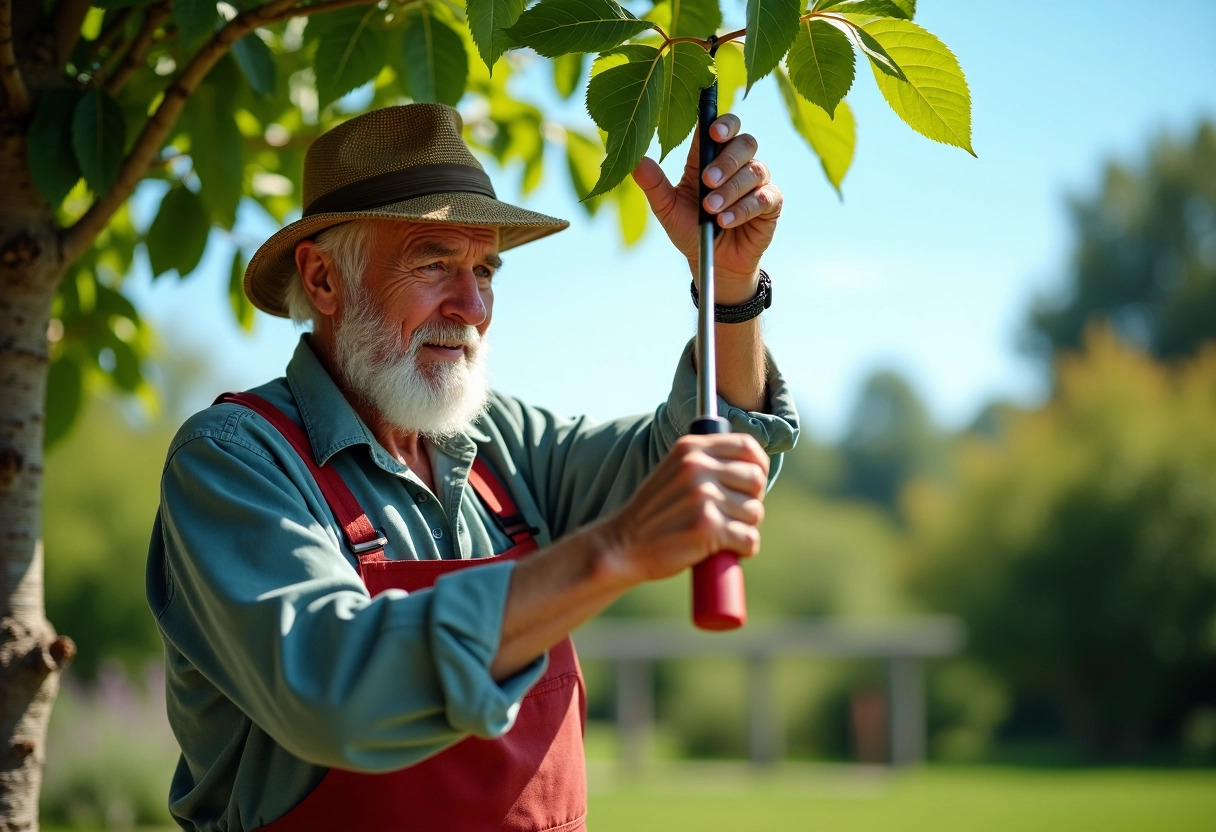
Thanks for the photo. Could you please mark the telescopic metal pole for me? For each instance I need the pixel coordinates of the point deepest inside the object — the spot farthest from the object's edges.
(718, 598)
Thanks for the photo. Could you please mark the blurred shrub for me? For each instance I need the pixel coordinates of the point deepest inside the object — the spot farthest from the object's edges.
(102, 489)
(967, 704)
(110, 753)
(1080, 548)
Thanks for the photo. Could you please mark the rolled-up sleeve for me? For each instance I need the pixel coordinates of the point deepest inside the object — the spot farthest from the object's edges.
(250, 585)
(775, 430)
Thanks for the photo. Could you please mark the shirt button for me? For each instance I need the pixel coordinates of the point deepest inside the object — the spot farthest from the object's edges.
(436, 533)
(424, 497)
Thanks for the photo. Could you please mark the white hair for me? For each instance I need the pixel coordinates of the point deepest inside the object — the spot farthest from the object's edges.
(348, 246)
(435, 399)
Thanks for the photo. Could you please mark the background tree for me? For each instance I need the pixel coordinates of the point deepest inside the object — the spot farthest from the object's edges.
(891, 439)
(1144, 260)
(1080, 548)
(215, 103)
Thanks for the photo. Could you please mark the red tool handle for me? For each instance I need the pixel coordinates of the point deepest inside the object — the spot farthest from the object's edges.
(718, 598)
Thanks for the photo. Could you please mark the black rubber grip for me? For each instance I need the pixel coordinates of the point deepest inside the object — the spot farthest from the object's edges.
(707, 112)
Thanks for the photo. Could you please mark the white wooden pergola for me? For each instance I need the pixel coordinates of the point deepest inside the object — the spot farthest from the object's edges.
(634, 645)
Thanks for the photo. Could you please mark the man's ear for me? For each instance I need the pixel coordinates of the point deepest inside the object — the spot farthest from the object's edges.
(317, 273)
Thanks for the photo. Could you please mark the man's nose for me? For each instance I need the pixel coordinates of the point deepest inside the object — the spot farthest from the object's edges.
(464, 302)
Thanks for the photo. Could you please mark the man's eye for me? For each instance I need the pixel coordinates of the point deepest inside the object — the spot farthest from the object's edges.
(483, 272)
(433, 267)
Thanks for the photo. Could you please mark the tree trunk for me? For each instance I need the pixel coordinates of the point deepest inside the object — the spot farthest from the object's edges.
(31, 655)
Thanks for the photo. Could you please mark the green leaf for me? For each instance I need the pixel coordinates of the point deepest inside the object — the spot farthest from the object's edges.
(904, 9)
(254, 58)
(99, 134)
(879, 58)
(242, 309)
(567, 72)
(52, 161)
(195, 19)
(178, 235)
(556, 27)
(632, 210)
(732, 75)
(695, 18)
(435, 62)
(772, 26)
(624, 101)
(111, 302)
(934, 100)
(64, 389)
(687, 69)
(216, 146)
(583, 158)
(350, 51)
(121, 4)
(127, 372)
(821, 63)
(833, 138)
(488, 20)
(534, 166)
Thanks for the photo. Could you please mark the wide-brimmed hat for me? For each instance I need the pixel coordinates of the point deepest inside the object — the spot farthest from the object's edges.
(398, 163)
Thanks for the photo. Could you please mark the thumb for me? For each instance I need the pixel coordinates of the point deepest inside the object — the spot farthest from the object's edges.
(654, 184)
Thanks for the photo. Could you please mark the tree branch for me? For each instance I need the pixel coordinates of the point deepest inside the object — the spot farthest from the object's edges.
(10, 73)
(69, 15)
(134, 58)
(147, 145)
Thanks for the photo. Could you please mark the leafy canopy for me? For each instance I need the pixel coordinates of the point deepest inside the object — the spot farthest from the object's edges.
(212, 105)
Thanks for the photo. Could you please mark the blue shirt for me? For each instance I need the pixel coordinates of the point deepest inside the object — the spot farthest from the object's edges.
(278, 663)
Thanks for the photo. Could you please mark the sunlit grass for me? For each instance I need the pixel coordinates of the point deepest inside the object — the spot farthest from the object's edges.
(711, 797)
(730, 797)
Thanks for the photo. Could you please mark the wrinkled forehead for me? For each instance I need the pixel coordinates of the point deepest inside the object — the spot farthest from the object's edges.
(406, 236)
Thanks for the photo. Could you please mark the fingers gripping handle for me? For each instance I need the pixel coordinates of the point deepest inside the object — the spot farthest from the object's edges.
(718, 598)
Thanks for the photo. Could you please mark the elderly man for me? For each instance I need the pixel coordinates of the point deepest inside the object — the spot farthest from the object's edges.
(331, 662)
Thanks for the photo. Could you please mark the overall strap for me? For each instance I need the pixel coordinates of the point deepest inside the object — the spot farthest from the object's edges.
(497, 499)
(361, 535)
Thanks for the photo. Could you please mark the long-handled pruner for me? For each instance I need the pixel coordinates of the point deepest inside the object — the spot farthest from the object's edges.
(718, 598)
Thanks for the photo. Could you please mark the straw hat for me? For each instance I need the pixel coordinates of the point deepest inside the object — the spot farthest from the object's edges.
(407, 163)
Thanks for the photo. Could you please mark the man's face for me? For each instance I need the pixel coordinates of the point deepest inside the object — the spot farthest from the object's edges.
(410, 336)
(420, 273)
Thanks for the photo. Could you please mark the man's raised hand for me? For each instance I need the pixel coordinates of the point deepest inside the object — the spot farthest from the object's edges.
(744, 202)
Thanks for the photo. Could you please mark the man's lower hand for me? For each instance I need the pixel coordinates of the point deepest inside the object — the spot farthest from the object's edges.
(706, 496)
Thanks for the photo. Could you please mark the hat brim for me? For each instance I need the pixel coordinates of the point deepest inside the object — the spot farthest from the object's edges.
(273, 265)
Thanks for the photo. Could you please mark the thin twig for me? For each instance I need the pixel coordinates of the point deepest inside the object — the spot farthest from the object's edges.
(738, 33)
(69, 15)
(702, 42)
(134, 58)
(147, 145)
(110, 32)
(10, 73)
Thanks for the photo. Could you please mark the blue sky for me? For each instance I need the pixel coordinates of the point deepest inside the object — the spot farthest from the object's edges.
(927, 266)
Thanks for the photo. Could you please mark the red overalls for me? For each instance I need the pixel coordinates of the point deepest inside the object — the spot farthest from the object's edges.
(532, 778)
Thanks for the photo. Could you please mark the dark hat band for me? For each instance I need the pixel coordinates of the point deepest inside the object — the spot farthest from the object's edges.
(399, 185)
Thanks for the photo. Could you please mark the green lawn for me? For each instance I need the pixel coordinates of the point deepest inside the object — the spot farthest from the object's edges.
(710, 797)
(729, 798)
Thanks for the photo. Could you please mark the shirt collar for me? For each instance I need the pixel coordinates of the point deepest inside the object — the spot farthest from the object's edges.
(329, 419)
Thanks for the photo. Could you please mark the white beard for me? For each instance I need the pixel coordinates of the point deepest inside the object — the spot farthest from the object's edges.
(436, 399)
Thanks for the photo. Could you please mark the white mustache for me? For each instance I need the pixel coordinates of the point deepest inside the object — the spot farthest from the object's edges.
(447, 333)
